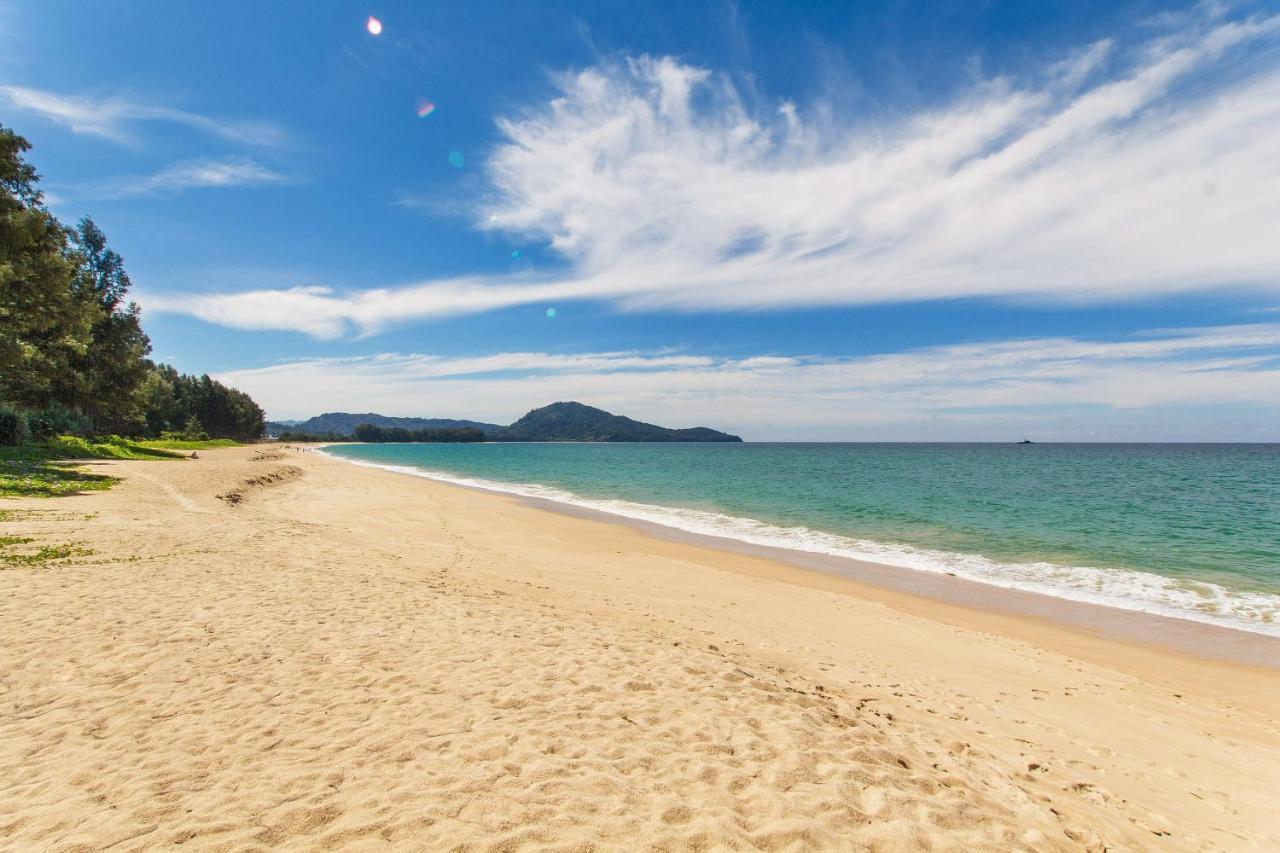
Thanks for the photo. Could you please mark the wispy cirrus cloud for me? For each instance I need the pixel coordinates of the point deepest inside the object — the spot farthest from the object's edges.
(115, 117)
(192, 174)
(975, 390)
(1120, 172)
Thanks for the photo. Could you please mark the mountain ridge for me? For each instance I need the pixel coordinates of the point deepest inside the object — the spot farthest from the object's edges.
(573, 421)
(559, 421)
(345, 423)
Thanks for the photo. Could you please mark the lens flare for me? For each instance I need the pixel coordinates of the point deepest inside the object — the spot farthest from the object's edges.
(551, 312)
(374, 26)
(425, 108)
(456, 159)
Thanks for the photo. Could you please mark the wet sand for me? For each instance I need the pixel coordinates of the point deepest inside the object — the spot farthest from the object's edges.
(879, 581)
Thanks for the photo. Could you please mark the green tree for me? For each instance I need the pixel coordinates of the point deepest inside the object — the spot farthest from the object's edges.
(176, 402)
(73, 355)
(111, 371)
(44, 326)
(158, 400)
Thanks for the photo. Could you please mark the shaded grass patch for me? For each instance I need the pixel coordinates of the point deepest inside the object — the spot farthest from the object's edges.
(38, 469)
(48, 479)
(75, 447)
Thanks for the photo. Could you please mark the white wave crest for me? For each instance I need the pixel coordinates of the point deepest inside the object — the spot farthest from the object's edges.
(1144, 592)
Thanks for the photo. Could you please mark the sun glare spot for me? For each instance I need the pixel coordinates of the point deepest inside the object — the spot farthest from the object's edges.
(456, 159)
(425, 108)
(374, 26)
(551, 312)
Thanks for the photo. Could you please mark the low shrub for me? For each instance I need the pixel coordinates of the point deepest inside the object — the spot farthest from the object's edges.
(55, 419)
(14, 429)
(191, 431)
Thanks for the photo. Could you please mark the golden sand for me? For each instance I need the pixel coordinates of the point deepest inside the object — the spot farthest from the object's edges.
(333, 656)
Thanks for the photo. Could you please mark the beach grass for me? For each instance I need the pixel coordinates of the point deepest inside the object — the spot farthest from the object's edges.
(45, 469)
(184, 444)
(22, 551)
(48, 479)
(76, 447)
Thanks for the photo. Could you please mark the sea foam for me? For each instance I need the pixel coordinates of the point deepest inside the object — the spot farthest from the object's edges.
(1143, 592)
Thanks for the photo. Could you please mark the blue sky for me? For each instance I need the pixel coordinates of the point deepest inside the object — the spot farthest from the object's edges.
(847, 221)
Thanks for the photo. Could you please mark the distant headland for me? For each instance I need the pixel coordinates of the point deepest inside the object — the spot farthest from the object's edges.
(565, 421)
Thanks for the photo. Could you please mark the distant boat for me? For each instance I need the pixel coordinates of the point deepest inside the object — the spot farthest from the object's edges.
(1026, 441)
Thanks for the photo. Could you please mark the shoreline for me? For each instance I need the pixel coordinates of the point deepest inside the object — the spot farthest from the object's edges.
(341, 657)
(905, 585)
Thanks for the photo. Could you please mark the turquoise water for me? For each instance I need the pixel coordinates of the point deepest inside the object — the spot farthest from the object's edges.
(1185, 530)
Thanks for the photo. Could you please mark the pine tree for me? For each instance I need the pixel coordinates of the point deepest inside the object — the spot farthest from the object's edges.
(114, 366)
(72, 349)
(44, 326)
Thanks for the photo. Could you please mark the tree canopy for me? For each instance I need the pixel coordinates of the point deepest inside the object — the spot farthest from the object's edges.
(73, 355)
(380, 435)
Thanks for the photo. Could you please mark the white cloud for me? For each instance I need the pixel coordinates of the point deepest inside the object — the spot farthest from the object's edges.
(195, 174)
(661, 190)
(318, 311)
(1057, 387)
(113, 118)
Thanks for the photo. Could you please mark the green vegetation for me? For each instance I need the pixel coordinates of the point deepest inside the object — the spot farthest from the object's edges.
(187, 444)
(24, 514)
(41, 469)
(557, 422)
(73, 355)
(78, 447)
(23, 478)
(195, 408)
(375, 434)
(298, 436)
(343, 425)
(17, 551)
(576, 422)
(378, 435)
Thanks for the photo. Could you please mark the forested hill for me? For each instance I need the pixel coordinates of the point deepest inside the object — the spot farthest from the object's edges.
(578, 422)
(345, 423)
(557, 422)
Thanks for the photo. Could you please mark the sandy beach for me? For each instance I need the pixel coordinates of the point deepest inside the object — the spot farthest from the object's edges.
(268, 648)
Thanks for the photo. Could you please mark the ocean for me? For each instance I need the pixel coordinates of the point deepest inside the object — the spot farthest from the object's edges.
(1184, 530)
